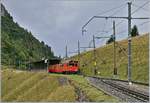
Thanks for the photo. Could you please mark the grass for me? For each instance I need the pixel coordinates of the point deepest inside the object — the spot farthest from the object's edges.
(61, 93)
(28, 86)
(93, 94)
(104, 54)
(42, 88)
(23, 86)
(12, 79)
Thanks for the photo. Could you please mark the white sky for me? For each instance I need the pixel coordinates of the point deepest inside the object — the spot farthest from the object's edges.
(58, 22)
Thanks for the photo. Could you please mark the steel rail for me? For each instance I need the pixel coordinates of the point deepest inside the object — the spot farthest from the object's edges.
(136, 82)
(137, 95)
(132, 93)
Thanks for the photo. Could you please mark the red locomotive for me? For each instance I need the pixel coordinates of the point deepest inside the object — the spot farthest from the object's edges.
(66, 67)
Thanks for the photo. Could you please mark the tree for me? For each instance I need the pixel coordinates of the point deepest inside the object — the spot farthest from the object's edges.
(134, 31)
(42, 42)
(110, 40)
(19, 43)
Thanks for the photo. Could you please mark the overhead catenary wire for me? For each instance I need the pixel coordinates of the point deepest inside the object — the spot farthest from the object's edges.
(138, 25)
(107, 31)
(117, 11)
(101, 59)
(143, 23)
(104, 26)
(110, 29)
(129, 27)
(120, 32)
(121, 48)
(110, 10)
(140, 7)
(114, 13)
(104, 12)
(141, 40)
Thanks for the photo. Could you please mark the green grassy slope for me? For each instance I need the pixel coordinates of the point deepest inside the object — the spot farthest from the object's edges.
(93, 94)
(34, 87)
(27, 86)
(18, 44)
(104, 55)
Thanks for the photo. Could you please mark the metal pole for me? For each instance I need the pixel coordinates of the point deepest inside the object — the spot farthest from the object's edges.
(79, 55)
(78, 51)
(129, 42)
(47, 64)
(114, 37)
(95, 69)
(66, 52)
(129, 18)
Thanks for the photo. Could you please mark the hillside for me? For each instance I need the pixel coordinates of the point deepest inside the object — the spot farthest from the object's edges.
(19, 45)
(104, 57)
(25, 86)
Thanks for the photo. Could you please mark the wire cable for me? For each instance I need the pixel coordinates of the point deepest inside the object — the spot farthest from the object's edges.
(143, 23)
(117, 11)
(107, 31)
(115, 25)
(104, 12)
(140, 7)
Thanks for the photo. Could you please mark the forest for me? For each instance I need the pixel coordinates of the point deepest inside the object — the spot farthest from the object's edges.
(18, 45)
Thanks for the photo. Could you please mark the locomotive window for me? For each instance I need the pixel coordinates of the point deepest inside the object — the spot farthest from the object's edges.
(71, 64)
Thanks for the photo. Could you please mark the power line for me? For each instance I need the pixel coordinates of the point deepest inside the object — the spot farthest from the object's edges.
(143, 23)
(117, 10)
(104, 12)
(110, 29)
(100, 14)
(116, 25)
(140, 7)
(107, 31)
(129, 18)
(122, 31)
(104, 26)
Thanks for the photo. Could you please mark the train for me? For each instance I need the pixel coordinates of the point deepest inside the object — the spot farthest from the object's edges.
(69, 66)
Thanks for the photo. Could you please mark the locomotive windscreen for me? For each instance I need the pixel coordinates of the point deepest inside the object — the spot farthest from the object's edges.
(73, 63)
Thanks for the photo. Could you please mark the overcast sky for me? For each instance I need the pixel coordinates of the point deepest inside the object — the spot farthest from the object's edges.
(58, 22)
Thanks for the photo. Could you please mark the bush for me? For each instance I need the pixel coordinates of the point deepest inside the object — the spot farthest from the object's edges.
(134, 31)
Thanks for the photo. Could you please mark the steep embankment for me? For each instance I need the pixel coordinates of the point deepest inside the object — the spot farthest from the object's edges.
(104, 58)
(27, 86)
(42, 87)
(18, 44)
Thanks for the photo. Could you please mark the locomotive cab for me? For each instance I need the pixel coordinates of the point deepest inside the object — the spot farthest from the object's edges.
(69, 66)
(73, 63)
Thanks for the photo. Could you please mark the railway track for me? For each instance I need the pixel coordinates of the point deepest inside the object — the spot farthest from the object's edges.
(136, 82)
(122, 92)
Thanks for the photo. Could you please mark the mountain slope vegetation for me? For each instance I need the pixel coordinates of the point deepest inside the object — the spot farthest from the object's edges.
(18, 44)
(105, 62)
(25, 86)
